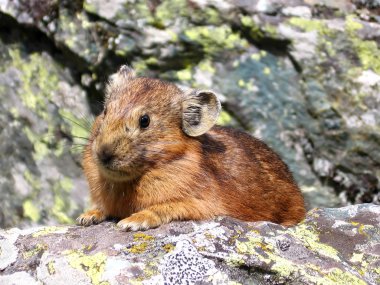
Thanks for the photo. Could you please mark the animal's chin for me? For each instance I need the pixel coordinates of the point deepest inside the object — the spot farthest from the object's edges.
(116, 175)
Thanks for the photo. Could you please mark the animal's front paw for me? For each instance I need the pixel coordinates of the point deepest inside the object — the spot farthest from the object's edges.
(91, 217)
(140, 221)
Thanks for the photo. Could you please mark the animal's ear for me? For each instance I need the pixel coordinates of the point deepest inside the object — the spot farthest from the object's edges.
(126, 72)
(119, 80)
(200, 110)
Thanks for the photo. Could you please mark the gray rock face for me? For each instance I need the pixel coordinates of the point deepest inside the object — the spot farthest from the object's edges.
(332, 246)
(40, 108)
(304, 76)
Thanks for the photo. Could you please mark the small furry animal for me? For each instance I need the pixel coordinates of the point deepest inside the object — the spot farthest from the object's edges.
(155, 155)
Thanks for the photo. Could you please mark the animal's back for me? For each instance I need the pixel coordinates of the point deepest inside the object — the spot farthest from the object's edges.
(254, 183)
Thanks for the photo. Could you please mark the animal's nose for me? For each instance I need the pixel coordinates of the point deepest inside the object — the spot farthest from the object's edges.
(105, 155)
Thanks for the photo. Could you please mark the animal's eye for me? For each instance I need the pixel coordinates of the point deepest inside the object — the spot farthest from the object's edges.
(144, 121)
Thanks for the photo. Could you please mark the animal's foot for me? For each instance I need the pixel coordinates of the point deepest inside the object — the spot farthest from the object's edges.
(140, 221)
(91, 217)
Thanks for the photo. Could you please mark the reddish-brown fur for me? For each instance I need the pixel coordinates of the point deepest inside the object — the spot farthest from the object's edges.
(160, 174)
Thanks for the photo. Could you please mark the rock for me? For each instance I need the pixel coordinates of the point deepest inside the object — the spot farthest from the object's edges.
(331, 246)
(41, 109)
(371, 4)
(300, 75)
(302, 12)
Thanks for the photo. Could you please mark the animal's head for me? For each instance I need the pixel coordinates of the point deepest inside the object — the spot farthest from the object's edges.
(147, 122)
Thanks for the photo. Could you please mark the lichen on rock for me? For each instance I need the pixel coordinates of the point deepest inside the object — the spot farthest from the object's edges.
(341, 246)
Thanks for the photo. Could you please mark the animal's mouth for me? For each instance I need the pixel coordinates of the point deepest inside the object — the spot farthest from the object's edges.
(115, 174)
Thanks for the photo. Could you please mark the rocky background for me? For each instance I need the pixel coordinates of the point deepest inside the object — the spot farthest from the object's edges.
(331, 246)
(304, 76)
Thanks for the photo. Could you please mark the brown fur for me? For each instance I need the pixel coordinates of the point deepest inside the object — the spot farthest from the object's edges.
(161, 174)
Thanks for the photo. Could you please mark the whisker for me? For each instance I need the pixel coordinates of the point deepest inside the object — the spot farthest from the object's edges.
(89, 120)
(76, 123)
(82, 144)
(79, 137)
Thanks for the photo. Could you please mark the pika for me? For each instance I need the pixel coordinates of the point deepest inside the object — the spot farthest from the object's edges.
(155, 155)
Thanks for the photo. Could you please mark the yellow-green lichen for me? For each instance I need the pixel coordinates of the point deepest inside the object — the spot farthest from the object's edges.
(151, 61)
(92, 265)
(49, 230)
(15, 113)
(168, 247)
(209, 236)
(215, 39)
(39, 82)
(39, 143)
(206, 65)
(249, 85)
(66, 184)
(337, 276)
(352, 25)
(310, 238)
(142, 236)
(73, 27)
(235, 260)
(89, 7)
(270, 30)
(256, 56)
(357, 257)
(34, 251)
(61, 188)
(137, 281)
(138, 248)
(184, 75)
(324, 32)
(87, 248)
(259, 55)
(59, 210)
(50, 267)
(309, 25)
(362, 228)
(224, 118)
(212, 16)
(150, 270)
(60, 148)
(254, 243)
(32, 180)
(367, 51)
(255, 31)
(267, 253)
(247, 21)
(201, 248)
(30, 211)
(169, 10)
(38, 79)
(236, 63)
(377, 272)
(140, 66)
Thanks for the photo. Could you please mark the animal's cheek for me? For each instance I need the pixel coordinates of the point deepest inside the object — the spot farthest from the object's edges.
(93, 146)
